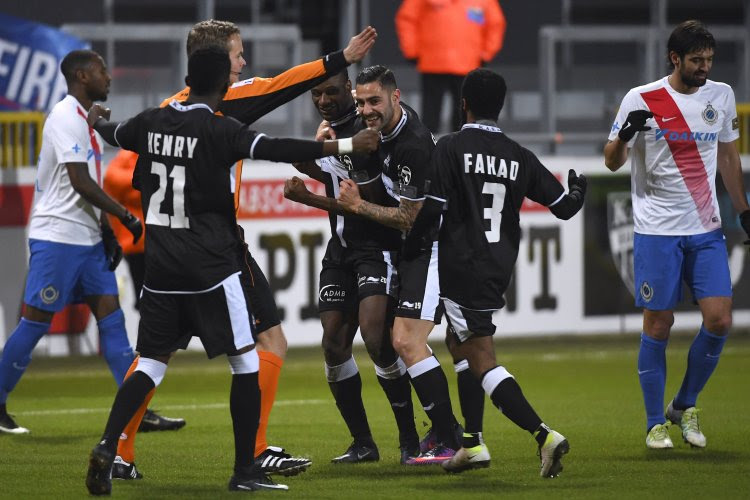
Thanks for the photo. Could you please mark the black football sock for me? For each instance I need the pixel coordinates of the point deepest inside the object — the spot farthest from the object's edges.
(244, 405)
(398, 392)
(348, 396)
(129, 397)
(471, 396)
(431, 387)
(509, 399)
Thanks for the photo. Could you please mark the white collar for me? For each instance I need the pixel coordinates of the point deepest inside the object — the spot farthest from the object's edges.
(487, 128)
(399, 126)
(181, 107)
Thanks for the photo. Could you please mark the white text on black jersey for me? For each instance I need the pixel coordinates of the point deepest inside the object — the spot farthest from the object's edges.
(487, 164)
(171, 145)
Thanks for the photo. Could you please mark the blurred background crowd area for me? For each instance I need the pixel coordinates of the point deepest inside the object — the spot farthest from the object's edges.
(568, 63)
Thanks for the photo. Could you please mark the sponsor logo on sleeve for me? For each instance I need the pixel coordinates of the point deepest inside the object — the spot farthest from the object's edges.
(735, 123)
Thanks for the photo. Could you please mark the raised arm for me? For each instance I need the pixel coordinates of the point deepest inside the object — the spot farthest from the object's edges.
(253, 98)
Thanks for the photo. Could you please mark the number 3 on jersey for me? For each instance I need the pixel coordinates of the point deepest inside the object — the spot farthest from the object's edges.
(155, 216)
(495, 211)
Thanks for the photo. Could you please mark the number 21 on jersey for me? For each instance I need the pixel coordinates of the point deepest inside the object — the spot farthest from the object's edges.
(495, 211)
(179, 220)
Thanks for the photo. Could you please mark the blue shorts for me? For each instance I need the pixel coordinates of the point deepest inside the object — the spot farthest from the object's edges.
(662, 263)
(62, 274)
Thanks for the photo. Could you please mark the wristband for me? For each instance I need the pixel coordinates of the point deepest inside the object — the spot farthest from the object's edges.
(346, 145)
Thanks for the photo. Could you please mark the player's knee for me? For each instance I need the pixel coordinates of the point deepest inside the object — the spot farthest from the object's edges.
(719, 324)
(335, 349)
(657, 325)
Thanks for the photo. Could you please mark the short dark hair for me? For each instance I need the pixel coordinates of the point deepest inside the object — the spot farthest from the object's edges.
(484, 91)
(76, 60)
(210, 33)
(208, 70)
(378, 73)
(689, 36)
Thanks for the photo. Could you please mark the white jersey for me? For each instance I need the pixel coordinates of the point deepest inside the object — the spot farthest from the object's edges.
(673, 165)
(59, 213)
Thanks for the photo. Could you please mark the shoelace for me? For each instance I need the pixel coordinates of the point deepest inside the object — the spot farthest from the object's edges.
(661, 432)
(692, 423)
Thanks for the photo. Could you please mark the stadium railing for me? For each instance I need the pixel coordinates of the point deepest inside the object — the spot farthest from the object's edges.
(743, 114)
(651, 39)
(21, 137)
(110, 33)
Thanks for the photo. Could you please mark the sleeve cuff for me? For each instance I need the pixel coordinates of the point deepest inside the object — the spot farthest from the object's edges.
(335, 62)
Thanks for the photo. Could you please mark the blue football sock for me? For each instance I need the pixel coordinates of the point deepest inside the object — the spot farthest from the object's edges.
(702, 360)
(115, 345)
(17, 354)
(652, 372)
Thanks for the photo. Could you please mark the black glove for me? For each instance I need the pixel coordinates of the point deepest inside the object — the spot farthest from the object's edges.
(112, 249)
(576, 185)
(745, 223)
(133, 225)
(635, 122)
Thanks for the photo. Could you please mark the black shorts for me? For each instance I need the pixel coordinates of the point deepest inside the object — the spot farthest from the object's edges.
(260, 296)
(464, 322)
(221, 317)
(419, 288)
(349, 275)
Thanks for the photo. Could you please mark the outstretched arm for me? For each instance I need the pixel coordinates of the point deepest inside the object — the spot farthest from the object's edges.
(249, 100)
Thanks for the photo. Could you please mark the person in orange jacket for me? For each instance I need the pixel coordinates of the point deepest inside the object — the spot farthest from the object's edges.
(118, 184)
(447, 39)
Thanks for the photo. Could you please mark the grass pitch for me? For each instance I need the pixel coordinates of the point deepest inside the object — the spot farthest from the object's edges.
(586, 388)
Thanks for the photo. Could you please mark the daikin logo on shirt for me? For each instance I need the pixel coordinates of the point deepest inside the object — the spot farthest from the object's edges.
(685, 135)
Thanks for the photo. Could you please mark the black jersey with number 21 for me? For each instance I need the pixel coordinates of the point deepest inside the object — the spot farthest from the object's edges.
(185, 153)
(483, 176)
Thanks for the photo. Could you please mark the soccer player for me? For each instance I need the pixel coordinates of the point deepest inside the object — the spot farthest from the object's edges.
(247, 101)
(357, 281)
(681, 128)
(406, 146)
(482, 177)
(73, 250)
(192, 285)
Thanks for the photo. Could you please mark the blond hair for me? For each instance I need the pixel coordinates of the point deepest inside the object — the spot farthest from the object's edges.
(210, 33)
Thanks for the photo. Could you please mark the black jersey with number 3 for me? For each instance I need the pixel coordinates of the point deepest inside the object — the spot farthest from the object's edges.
(364, 169)
(483, 176)
(185, 154)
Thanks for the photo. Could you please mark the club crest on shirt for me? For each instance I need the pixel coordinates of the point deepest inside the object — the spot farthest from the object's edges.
(710, 115)
(621, 234)
(404, 175)
(346, 161)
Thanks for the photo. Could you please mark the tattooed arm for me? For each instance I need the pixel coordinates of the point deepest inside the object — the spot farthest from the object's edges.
(400, 217)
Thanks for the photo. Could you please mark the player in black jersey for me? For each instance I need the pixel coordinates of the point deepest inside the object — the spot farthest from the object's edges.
(482, 177)
(405, 149)
(192, 284)
(357, 280)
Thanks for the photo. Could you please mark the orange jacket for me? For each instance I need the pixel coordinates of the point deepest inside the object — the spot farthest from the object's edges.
(118, 183)
(450, 36)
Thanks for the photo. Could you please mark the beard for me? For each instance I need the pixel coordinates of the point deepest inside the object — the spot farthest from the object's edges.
(691, 80)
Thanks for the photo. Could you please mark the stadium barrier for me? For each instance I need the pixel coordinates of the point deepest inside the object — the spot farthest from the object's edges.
(21, 133)
(572, 277)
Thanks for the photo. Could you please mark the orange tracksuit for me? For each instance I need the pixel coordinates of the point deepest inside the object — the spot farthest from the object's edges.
(118, 183)
(450, 36)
